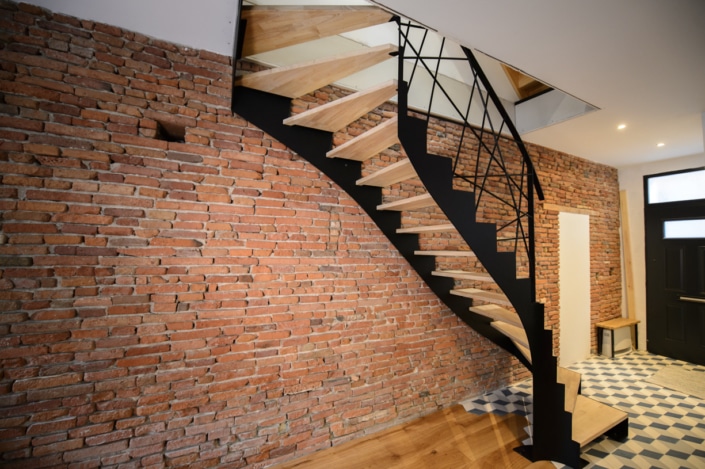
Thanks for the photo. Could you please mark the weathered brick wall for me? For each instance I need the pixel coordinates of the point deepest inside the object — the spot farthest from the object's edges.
(578, 185)
(211, 302)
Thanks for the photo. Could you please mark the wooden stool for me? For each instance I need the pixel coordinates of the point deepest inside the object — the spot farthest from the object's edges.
(614, 324)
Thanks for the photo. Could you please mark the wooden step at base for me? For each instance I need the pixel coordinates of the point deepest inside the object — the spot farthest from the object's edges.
(592, 419)
(299, 79)
(517, 334)
(463, 275)
(447, 253)
(396, 172)
(571, 380)
(339, 113)
(370, 143)
(498, 313)
(482, 295)
(412, 203)
(269, 27)
(445, 228)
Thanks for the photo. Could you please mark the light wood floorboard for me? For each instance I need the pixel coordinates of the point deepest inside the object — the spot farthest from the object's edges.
(448, 439)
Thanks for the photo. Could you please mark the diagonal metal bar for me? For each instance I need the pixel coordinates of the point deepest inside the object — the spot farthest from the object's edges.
(493, 162)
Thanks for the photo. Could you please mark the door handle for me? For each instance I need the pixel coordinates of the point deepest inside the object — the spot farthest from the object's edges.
(692, 300)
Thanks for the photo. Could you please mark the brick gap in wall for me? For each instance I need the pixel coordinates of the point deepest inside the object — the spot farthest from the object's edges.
(216, 302)
(170, 132)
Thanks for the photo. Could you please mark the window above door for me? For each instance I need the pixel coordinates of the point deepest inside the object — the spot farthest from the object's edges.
(676, 187)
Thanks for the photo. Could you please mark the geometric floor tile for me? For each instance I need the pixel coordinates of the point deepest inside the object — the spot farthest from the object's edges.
(666, 428)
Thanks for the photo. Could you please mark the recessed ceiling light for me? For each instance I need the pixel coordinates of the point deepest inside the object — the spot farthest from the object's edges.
(660, 144)
(621, 126)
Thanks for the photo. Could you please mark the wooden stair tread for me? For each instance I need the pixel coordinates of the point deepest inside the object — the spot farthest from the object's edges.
(296, 80)
(592, 419)
(524, 351)
(427, 229)
(411, 203)
(339, 113)
(269, 28)
(463, 275)
(447, 253)
(497, 313)
(477, 294)
(396, 172)
(571, 380)
(517, 334)
(368, 144)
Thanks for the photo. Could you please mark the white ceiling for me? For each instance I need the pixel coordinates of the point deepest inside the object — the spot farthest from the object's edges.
(641, 62)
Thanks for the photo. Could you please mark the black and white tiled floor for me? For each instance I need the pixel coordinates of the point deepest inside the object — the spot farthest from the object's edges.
(666, 428)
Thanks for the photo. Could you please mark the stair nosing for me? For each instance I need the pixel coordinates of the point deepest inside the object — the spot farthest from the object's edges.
(308, 117)
(291, 88)
(504, 315)
(483, 295)
(370, 150)
(427, 229)
(267, 44)
(409, 200)
(400, 166)
(463, 275)
(447, 253)
(513, 332)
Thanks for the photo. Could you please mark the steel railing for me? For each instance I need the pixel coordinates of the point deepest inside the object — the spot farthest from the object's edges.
(489, 157)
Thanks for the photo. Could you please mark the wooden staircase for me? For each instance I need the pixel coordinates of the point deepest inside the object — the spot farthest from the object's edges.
(492, 300)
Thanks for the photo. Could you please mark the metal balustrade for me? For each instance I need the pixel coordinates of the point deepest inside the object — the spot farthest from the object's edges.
(489, 157)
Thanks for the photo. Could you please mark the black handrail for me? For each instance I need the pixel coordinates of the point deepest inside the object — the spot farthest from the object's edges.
(522, 187)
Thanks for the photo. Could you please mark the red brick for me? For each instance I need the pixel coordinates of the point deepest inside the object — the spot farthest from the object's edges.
(55, 425)
(58, 196)
(42, 206)
(95, 451)
(28, 228)
(79, 132)
(139, 141)
(83, 219)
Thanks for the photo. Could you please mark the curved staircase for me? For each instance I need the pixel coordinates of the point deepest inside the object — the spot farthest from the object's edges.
(476, 277)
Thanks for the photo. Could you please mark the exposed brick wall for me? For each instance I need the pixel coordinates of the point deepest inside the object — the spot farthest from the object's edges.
(212, 302)
(579, 185)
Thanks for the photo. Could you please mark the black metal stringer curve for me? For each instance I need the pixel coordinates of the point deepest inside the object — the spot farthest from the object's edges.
(484, 182)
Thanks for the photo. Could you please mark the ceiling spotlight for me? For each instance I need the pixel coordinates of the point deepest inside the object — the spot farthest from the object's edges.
(660, 144)
(621, 126)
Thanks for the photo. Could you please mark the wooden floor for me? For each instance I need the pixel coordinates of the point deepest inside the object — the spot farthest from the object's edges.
(451, 438)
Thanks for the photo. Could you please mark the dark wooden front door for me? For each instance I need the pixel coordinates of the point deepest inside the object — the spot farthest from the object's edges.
(675, 284)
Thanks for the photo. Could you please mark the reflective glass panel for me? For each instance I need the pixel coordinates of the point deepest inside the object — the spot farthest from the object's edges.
(677, 187)
(684, 229)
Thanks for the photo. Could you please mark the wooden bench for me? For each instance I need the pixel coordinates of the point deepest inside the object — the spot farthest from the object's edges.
(614, 324)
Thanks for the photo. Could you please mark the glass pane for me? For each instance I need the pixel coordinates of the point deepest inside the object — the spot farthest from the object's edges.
(684, 229)
(677, 187)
